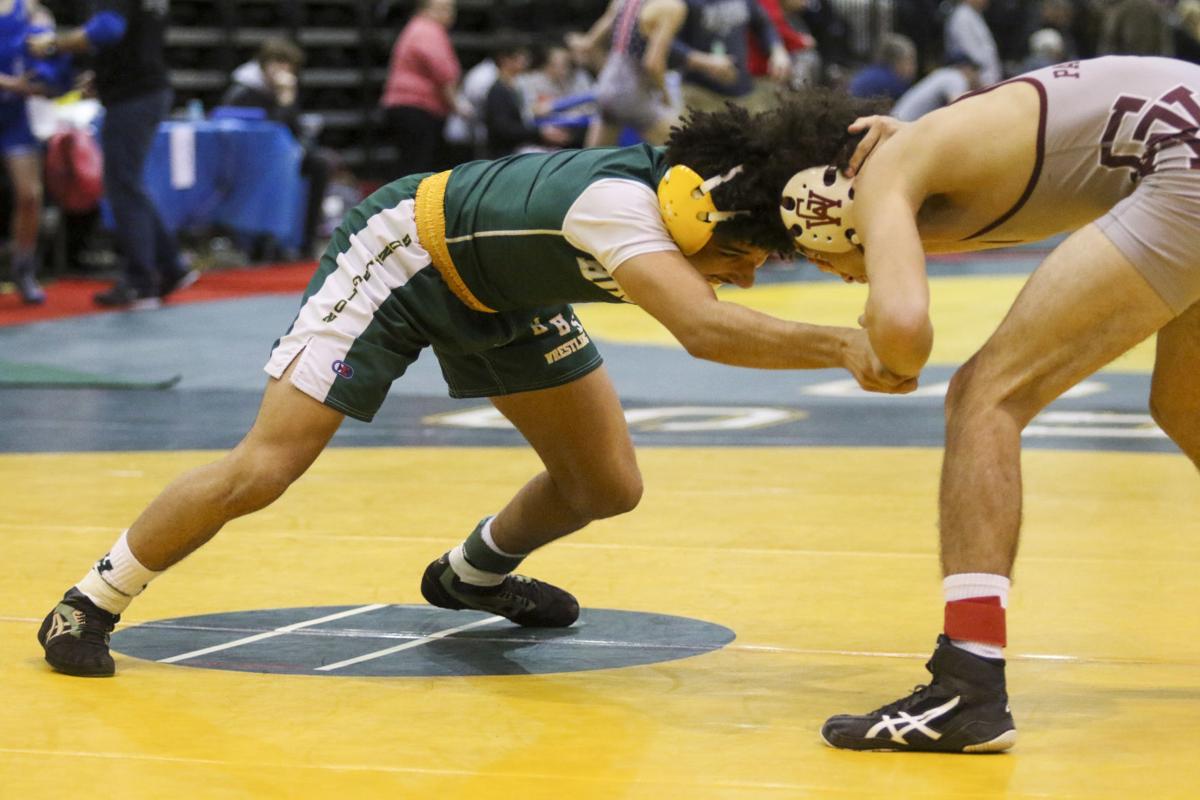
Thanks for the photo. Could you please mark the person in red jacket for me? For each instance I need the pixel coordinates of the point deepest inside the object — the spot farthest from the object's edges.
(769, 75)
(423, 75)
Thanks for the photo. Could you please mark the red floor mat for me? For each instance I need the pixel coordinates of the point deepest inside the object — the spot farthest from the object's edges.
(72, 297)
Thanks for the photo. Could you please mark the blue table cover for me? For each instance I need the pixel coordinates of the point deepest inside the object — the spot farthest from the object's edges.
(246, 177)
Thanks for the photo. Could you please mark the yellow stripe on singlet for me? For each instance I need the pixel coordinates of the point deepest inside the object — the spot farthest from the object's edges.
(431, 227)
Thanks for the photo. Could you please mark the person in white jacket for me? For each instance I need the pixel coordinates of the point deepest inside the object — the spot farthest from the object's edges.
(968, 32)
(959, 75)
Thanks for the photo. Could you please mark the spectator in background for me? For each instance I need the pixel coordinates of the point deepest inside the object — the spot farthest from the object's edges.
(968, 34)
(21, 77)
(1085, 30)
(892, 71)
(587, 56)
(795, 42)
(557, 79)
(1186, 31)
(1059, 16)
(271, 82)
(1008, 22)
(722, 28)
(126, 39)
(630, 89)
(807, 64)
(959, 75)
(1135, 28)
(508, 130)
(465, 131)
(922, 22)
(1045, 48)
(420, 91)
(832, 34)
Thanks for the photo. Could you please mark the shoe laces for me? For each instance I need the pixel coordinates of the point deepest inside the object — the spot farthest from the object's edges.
(919, 692)
(94, 627)
(522, 593)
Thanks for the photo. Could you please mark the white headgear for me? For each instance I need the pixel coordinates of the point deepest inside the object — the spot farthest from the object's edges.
(817, 208)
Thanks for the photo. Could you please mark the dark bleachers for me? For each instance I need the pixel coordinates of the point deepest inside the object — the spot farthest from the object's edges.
(347, 44)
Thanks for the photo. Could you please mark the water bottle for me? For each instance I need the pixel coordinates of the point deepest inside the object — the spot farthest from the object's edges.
(195, 110)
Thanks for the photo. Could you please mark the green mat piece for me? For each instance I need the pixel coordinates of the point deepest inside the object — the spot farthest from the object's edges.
(44, 376)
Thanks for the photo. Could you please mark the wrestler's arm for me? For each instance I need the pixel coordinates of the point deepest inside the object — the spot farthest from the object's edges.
(942, 154)
(889, 192)
(667, 287)
(619, 223)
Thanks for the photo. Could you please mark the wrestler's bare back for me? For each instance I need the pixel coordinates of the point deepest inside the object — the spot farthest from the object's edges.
(971, 162)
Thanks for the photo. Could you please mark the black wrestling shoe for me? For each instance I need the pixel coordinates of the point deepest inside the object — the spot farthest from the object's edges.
(75, 637)
(178, 282)
(121, 295)
(525, 601)
(963, 710)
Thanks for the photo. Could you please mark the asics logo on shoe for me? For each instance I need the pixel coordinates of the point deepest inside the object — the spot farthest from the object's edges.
(906, 723)
(58, 626)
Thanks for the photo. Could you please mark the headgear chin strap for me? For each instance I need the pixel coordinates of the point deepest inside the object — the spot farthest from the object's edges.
(817, 208)
(685, 200)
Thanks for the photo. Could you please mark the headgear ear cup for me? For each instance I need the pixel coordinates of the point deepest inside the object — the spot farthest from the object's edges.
(817, 208)
(687, 208)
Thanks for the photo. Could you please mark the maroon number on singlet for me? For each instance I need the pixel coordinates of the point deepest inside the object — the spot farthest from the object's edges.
(1172, 119)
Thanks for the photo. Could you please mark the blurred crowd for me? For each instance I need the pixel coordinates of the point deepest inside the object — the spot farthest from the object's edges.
(623, 77)
(629, 74)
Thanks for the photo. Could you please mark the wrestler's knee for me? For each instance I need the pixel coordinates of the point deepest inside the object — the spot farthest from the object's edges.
(1179, 418)
(616, 491)
(254, 477)
(969, 390)
(981, 387)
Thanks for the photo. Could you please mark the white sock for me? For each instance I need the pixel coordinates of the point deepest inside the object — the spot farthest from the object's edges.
(966, 585)
(470, 574)
(116, 578)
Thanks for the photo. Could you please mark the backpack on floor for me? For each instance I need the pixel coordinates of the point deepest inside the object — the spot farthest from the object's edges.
(74, 170)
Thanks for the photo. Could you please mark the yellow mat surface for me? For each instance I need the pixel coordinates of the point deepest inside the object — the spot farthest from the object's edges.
(822, 560)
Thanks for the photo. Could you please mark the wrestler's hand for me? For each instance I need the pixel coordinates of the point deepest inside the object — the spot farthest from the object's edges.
(878, 130)
(861, 362)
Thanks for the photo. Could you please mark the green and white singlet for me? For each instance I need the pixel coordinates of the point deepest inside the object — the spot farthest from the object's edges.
(481, 264)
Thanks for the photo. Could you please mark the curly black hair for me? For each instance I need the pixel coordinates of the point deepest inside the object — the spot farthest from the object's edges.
(806, 129)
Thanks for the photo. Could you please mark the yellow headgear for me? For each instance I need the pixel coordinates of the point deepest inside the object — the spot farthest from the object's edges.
(685, 200)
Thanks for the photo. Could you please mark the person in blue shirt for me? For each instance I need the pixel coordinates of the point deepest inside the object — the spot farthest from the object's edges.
(126, 40)
(22, 75)
(892, 71)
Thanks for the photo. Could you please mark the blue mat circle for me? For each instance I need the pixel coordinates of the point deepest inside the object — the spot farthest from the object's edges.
(414, 641)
